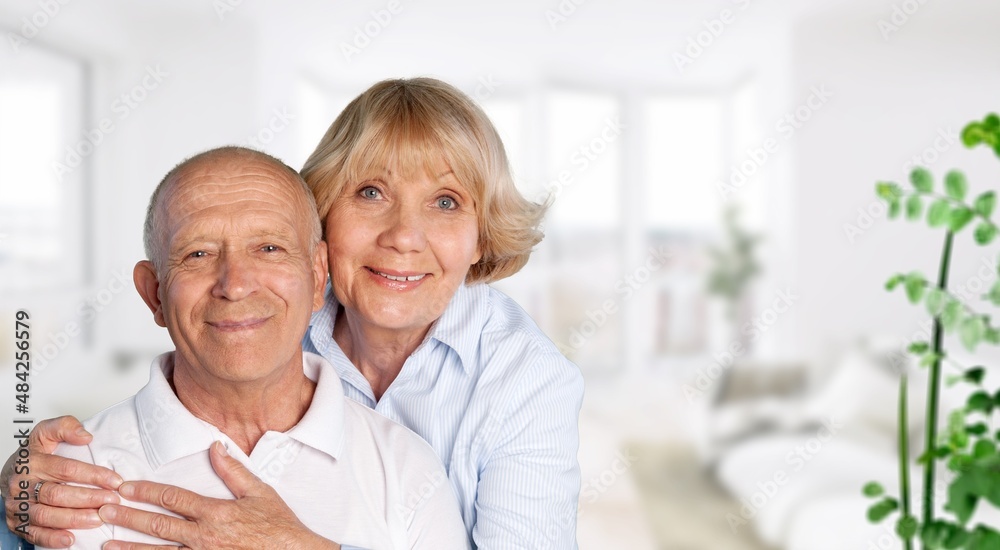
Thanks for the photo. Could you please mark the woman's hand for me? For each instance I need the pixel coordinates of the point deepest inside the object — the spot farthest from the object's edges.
(258, 518)
(59, 506)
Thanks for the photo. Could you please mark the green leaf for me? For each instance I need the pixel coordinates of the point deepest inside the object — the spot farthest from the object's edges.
(994, 294)
(929, 359)
(906, 527)
(956, 420)
(962, 497)
(922, 180)
(983, 538)
(972, 331)
(888, 190)
(984, 204)
(894, 209)
(894, 281)
(959, 218)
(973, 134)
(914, 207)
(980, 401)
(977, 429)
(992, 335)
(919, 348)
(914, 284)
(985, 232)
(955, 185)
(951, 315)
(984, 448)
(959, 462)
(955, 538)
(935, 300)
(975, 375)
(939, 213)
(881, 509)
(873, 489)
(991, 122)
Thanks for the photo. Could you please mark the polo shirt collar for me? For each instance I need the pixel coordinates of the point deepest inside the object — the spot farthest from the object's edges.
(322, 427)
(168, 431)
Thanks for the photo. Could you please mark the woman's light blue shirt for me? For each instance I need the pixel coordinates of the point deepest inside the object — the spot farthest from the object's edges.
(500, 405)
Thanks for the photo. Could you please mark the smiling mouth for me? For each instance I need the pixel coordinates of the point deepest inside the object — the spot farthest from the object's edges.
(402, 278)
(234, 325)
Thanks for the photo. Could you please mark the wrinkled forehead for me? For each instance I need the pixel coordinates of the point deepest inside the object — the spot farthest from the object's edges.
(238, 178)
(233, 187)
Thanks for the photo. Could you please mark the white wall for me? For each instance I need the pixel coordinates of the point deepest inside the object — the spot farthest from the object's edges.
(937, 72)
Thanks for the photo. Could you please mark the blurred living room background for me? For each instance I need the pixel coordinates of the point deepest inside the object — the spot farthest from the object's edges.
(714, 256)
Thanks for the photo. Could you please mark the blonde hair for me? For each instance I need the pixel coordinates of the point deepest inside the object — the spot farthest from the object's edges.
(411, 124)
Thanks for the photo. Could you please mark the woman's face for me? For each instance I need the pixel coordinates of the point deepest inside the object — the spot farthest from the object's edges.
(400, 245)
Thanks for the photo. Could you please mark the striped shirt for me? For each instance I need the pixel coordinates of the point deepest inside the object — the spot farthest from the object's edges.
(499, 404)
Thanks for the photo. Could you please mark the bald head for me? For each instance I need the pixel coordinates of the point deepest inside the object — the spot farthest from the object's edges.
(230, 159)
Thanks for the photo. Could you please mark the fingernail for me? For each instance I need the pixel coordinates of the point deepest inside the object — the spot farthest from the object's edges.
(110, 498)
(115, 480)
(65, 541)
(93, 519)
(82, 432)
(221, 449)
(107, 513)
(126, 490)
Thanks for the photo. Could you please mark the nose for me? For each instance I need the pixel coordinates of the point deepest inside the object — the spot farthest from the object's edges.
(235, 278)
(404, 230)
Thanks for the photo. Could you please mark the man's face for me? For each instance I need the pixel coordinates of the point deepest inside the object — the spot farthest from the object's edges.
(238, 280)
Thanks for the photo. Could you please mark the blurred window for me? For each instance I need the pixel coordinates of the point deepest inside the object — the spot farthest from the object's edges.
(45, 149)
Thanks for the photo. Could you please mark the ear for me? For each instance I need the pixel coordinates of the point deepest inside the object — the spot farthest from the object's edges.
(320, 272)
(479, 253)
(148, 285)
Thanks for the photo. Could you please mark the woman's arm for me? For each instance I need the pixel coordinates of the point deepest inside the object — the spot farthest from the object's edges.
(59, 507)
(529, 488)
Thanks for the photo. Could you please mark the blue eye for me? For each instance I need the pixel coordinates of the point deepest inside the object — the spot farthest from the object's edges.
(270, 248)
(370, 193)
(446, 203)
(198, 254)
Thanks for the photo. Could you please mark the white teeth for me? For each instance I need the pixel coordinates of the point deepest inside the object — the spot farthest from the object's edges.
(395, 278)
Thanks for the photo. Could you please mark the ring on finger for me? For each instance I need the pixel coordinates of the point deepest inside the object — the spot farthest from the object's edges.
(38, 487)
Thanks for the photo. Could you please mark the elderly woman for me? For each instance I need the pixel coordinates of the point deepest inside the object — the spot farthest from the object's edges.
(420, 213)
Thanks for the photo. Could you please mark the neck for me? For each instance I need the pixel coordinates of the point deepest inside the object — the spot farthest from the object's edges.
(245, 410)
(376, 352)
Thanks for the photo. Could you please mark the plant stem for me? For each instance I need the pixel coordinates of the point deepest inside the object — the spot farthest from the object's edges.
(904, 457)
(933, 389)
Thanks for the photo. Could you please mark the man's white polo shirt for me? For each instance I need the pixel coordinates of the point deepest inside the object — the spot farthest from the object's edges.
(349, 474)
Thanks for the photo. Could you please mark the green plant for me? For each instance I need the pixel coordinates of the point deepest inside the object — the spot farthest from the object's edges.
(734, 263)
(968, 446)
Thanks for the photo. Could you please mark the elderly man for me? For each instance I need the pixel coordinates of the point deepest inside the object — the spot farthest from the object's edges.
(236, 267)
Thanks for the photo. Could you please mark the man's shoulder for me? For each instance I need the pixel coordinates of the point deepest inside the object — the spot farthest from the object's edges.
(109, 427)
(399, 449)
(112, 420)
(383, 431)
